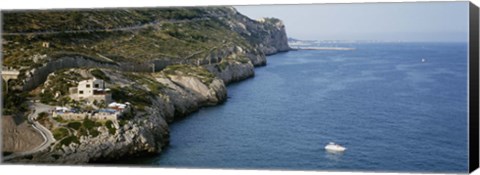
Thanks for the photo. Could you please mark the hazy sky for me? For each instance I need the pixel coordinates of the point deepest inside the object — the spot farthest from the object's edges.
(427, 21)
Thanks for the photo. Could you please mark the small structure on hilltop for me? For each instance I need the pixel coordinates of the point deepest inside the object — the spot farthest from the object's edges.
(46, 44)
(91, 90)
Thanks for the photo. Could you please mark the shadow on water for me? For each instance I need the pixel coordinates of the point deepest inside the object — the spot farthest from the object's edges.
(334, 156)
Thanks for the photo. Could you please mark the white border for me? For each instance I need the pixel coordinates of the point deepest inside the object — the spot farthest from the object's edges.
(49, 4)
(74, 170)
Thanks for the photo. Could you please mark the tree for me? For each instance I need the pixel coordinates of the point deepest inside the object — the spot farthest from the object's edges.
(64, 101)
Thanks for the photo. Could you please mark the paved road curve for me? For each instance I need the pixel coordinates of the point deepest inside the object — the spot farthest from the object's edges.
(46, 134)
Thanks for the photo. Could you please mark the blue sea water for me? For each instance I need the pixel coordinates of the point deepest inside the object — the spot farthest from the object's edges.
(391, 111)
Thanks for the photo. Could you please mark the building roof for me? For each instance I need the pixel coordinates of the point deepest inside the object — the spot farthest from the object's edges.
(117, 105)
(58, 108)
(110, 111)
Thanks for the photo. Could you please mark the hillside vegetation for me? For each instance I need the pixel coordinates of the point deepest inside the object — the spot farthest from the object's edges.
(134, 35)
(165, 62)
(33, 39)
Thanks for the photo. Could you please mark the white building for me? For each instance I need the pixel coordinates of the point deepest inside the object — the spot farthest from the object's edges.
(91, 90)
(113, 112)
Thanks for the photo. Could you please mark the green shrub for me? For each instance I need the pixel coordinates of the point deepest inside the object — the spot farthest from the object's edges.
(60, 133)
(100, 75)
(14, 103)
(42, 116)
(111, 128)
(138, 97)
(222, 65)
(68, 140)
(74, 125)
(128, 115)
(109, 123)
(59, 119)
(44, 120)
(88, 124)
(82, 132)
(64, 100)
(94, 132)
(122, 122)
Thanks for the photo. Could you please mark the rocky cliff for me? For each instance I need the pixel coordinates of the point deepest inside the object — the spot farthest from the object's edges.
(192, 75)
(267, 34)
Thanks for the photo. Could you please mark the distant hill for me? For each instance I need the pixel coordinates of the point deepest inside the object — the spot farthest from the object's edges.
(129, 34)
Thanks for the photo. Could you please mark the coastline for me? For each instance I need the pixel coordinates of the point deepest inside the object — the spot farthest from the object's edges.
(186, 117)
(322, 48)
(185, 88)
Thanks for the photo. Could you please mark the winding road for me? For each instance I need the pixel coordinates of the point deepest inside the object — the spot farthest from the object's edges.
(46, 134)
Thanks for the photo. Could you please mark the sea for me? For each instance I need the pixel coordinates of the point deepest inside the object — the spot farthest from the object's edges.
(396, 107)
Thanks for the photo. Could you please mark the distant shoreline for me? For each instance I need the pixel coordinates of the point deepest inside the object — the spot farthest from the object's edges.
(322, 48)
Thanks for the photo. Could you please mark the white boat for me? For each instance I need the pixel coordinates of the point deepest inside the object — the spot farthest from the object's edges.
(424, 60)
(334, 147)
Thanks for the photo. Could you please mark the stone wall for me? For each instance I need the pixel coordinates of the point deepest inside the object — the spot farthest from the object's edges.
(107, 98)
(105, 116)
(71, 116)
(39, 75)
(81, 116)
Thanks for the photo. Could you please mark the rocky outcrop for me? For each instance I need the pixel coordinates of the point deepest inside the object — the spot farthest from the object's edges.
(273, 35)
(144, 136)
(255, 55)
(267, 34)
(184, 93)
(203, 94)
(147, 132)
(232, 71)
(187, 94)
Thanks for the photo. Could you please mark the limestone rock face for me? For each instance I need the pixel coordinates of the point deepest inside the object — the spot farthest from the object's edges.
(233, 71)
(194, 86)
(143, 135)
(257, 57)
(268, 34)
(278, 42)
(148, 132)
(187, 93)
(206, 94)
(275, 39)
